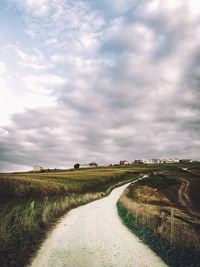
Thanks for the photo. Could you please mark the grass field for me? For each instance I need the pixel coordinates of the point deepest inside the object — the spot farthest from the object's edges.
(30, 203)
(164, 210)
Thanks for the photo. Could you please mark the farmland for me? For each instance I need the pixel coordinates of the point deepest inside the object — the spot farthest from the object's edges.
(164, 210)
(31, 203)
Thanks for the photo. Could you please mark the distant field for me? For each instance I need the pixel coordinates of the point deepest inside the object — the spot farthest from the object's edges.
(164, 210)
(59, 183)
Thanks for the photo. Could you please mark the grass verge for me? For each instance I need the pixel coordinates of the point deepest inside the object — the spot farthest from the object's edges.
(171, 255)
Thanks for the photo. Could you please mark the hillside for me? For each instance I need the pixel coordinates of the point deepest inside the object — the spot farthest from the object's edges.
(164, 210)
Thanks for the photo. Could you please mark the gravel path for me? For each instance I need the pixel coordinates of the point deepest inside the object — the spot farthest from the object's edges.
(93, 236)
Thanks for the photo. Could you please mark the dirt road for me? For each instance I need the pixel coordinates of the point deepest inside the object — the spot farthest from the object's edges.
(93, 236)
(184, 199)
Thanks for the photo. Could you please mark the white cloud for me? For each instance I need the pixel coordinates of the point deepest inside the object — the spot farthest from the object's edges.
(33, 60)
(38, 7)
(43, 84)
(121, 85)
(7, 96)
(2, 68)
(194, 6)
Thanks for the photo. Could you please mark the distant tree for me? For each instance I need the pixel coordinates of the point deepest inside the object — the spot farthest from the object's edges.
(76, 166)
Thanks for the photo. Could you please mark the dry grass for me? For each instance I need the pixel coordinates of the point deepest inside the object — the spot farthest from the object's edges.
(22, 229)
(36, 202)
(171, 232)
(147, 194)
(165, 223)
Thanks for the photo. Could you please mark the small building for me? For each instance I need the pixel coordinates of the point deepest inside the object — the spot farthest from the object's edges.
(155, 161)
(93, 164)
(123, 162)
(176, 160)
(37, 168)
(90, 165)
(105, 165)
(147, 161)
(172, 160)
(84, 166)
(138, 161)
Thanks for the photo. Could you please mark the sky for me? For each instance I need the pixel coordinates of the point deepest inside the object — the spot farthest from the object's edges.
(89, 80)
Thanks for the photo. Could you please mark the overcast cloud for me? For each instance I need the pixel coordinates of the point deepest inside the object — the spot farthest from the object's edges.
(101, 81)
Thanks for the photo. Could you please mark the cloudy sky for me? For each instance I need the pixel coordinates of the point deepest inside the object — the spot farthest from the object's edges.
(90, 80)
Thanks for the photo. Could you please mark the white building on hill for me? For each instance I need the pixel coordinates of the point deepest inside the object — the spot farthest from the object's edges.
(123, 162)
(37, 168)
(84, 166)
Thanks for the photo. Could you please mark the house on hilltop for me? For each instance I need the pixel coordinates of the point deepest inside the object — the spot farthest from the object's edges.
(138, 161)
(84, 166)
(93, 164)
(90, 165)
(37, 168)
(123, 162)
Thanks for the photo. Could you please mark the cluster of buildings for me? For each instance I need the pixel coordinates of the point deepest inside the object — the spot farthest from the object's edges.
(38, 168)
(154, 161)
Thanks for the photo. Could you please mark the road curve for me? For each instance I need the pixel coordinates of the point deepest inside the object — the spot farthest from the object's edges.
(93, 236)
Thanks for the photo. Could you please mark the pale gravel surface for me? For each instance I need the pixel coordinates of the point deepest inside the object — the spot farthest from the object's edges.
(93, 236)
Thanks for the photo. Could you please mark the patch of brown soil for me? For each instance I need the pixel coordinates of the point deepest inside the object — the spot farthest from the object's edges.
(147, 194)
